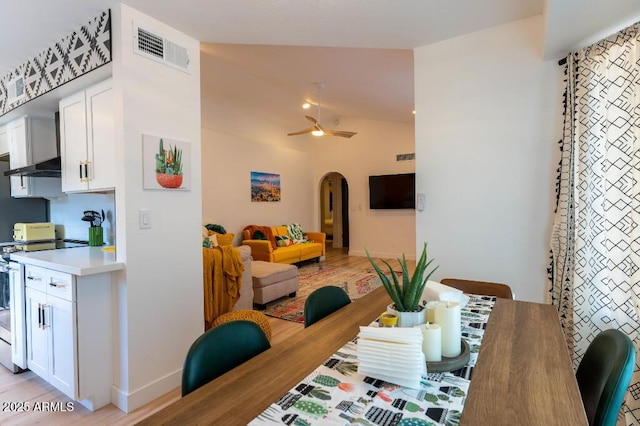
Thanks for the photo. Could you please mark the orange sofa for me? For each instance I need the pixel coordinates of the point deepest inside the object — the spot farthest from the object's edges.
(264, 249)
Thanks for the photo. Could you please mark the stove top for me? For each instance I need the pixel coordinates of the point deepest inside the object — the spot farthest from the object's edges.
(14, 246)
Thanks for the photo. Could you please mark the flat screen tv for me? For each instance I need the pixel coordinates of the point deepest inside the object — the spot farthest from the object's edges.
(392, 191)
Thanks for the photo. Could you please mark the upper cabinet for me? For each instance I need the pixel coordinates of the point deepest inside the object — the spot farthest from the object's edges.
(30, 140)
(4, 141)
(86, 139)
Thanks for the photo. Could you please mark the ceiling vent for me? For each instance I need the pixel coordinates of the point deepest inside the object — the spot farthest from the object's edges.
(158, 48)
(406, 157)
(15, 90)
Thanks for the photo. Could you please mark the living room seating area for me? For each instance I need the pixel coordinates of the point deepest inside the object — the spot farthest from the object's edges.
(284, 244)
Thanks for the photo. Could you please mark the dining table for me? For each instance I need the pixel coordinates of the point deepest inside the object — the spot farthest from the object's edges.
(523, 373)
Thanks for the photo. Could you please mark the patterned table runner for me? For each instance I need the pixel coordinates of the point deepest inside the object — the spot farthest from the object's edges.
(335, 394)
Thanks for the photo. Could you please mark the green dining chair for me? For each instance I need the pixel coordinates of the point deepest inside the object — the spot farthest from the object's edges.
(322, 302)
(219, 350)
(604, 374)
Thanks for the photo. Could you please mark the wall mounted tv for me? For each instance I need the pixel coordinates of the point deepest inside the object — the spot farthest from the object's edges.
(392, 191)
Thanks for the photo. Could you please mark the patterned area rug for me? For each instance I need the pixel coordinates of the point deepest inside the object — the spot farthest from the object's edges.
(356, 282)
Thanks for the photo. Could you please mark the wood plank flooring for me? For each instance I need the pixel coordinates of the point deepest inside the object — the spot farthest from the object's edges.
(29, 388)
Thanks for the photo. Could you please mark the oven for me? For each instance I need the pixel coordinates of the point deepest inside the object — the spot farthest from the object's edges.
(12, 330)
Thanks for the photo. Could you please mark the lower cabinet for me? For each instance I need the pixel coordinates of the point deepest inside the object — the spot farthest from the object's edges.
(69, 332)
(51, 349)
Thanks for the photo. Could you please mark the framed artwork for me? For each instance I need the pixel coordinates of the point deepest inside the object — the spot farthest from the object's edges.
(265, 187)
(166, 163)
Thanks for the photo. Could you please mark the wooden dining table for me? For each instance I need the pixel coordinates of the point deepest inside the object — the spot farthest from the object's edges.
(523, 372)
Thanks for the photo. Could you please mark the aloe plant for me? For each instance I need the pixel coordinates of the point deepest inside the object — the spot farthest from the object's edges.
(405, 296)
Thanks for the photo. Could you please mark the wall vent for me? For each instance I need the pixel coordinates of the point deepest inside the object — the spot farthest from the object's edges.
(15, 89)
(158, 48)
(406, 157)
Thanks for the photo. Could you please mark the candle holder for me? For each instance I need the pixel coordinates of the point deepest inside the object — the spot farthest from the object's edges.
(451, 364)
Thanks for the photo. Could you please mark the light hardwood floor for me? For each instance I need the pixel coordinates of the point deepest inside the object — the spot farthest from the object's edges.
(27, 388)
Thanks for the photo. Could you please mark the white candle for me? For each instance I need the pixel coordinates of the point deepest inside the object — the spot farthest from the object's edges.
(448, 317)
(431, 308)
(431, 342)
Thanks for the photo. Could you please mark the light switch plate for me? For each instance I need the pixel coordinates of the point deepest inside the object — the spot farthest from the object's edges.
(145, 219)
(421, 200)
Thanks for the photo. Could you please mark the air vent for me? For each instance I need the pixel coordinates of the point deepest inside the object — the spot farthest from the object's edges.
(15, 90)
(406, 157)
(158, 48)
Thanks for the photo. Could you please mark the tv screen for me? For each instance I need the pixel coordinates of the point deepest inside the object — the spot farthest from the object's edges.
(392, 191)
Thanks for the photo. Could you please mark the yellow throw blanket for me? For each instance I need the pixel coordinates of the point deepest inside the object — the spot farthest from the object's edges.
(222, 278)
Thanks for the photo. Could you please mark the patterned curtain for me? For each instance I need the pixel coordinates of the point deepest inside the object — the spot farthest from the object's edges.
(595, 267)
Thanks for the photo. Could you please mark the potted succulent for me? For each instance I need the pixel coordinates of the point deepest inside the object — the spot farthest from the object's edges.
(406, 295)
(169, 166)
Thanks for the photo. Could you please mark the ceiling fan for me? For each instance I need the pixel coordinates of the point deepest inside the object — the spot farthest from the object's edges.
(317, 129)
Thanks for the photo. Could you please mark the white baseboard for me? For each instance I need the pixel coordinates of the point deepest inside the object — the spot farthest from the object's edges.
(382, 255)
(131, 401)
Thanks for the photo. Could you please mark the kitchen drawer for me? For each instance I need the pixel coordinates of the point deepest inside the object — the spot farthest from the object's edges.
(60, 284)
(35, 278)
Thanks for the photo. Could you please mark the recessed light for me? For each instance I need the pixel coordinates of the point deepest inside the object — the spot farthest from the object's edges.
(306, 105)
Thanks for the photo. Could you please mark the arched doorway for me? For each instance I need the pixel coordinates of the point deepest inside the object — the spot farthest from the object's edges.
(334, 209)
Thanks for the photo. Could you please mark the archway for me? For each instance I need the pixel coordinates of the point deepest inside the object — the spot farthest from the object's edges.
(334, 209)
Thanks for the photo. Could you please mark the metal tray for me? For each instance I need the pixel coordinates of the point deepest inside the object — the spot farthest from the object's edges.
(451, 364)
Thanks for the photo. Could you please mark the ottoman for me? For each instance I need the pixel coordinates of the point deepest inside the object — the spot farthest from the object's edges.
(272, 281)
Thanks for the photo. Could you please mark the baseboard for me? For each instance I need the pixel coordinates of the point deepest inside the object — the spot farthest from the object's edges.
(129, 402)
(380, 255)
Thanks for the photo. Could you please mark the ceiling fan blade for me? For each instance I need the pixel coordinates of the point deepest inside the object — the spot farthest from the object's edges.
(341, 133)
(302, 132)
(311, 119)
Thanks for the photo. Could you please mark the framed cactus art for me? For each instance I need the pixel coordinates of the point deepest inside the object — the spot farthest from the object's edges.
(166, 163)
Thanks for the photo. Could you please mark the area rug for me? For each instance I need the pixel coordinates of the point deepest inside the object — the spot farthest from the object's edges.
(355, 282)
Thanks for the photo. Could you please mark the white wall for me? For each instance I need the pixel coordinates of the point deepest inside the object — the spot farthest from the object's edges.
(487, 126)
(230, 154)
(384, 233)
(159, 294)
(238, 140)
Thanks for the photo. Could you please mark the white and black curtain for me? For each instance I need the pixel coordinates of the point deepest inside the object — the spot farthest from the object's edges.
(595, 267)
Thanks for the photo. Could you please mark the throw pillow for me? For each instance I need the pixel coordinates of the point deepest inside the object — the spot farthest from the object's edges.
(295, 232)
(210, 242)
(219, 229)
(259, 235)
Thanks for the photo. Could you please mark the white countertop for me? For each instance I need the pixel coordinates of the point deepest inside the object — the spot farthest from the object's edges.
(77, 261)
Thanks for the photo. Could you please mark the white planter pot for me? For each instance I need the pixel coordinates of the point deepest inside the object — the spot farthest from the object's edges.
(409, 319)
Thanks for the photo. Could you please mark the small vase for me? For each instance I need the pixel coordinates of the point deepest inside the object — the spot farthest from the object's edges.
(409, 319)
(169, 181)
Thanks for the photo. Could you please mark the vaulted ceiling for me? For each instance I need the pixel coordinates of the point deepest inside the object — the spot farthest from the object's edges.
(267, 54)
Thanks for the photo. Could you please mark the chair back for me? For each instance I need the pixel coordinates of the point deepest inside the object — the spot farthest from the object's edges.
(322, 302)
(480, 287)
(219, 350)
(604, 374)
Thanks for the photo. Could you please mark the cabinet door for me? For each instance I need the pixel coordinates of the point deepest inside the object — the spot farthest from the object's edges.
(37, 352)
(19, 156)
(73, 142)
(60, 323)
(100, 131)
(19, 153)
(4, 141)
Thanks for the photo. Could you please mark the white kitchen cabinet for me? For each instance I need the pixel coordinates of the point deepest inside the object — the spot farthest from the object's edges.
(87, 139)
(4, 141)
(51, 349)
(68, 326)
(30, 140)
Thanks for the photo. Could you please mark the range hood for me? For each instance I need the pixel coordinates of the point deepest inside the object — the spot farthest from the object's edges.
(48, 168)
